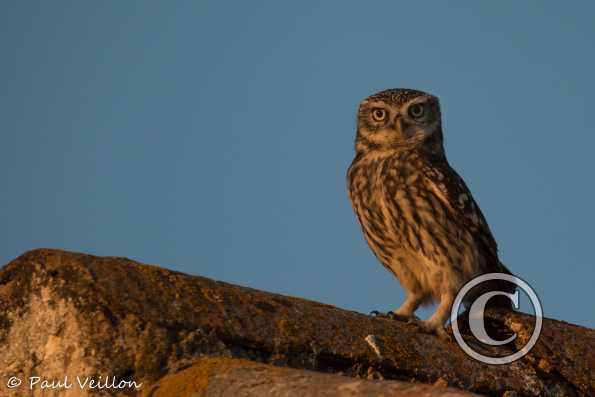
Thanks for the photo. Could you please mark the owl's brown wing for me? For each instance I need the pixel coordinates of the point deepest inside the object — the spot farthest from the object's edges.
(454, 194)
(450, 188)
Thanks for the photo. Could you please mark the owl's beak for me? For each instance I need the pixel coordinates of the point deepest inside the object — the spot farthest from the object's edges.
(399, 123)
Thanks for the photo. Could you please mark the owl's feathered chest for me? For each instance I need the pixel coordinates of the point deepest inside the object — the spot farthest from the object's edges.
(412, 210)
(399, 208)
(373, 181)
(384, 192)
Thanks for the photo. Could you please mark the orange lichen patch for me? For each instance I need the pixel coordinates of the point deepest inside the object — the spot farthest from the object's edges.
(192, 381)
(545, 365)
(288, 329)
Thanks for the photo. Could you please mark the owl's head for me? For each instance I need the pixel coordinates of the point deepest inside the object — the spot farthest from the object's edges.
(398, 119)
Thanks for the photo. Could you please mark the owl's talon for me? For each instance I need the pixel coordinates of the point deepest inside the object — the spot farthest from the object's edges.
(387, 315)
(430, 329)
(444, 336)
(402, 317)
(377, 314)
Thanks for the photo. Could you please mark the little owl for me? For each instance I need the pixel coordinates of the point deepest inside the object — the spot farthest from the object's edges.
(415, 211)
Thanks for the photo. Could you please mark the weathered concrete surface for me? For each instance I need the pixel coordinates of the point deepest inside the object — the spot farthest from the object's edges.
(227, 377)
(73, 314)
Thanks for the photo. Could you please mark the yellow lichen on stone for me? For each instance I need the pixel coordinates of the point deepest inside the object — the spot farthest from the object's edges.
(287, 329)
(192, 381)
(545, 365)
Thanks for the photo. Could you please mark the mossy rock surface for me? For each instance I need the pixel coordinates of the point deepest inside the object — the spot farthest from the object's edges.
(71, 313)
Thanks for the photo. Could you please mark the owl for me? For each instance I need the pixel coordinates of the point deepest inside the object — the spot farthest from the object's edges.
(415, 211)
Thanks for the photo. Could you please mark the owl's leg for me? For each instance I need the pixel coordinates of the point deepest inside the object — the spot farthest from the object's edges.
(435, 324)
(408, 308)
(405, 312)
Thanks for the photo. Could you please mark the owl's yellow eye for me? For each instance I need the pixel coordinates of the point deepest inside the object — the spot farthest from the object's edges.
(378, 114)
(417, 110)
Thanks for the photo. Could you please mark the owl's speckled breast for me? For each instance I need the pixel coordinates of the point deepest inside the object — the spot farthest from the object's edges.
(404, 222)
(371, 183)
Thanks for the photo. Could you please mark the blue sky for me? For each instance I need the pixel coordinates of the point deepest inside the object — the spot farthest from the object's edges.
(213, 137)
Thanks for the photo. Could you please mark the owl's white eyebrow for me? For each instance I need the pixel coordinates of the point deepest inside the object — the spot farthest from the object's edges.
(419, 100)
(374, 104)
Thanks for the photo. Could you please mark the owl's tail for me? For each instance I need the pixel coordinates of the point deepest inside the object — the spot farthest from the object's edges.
(497, 301)
(501, 301)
